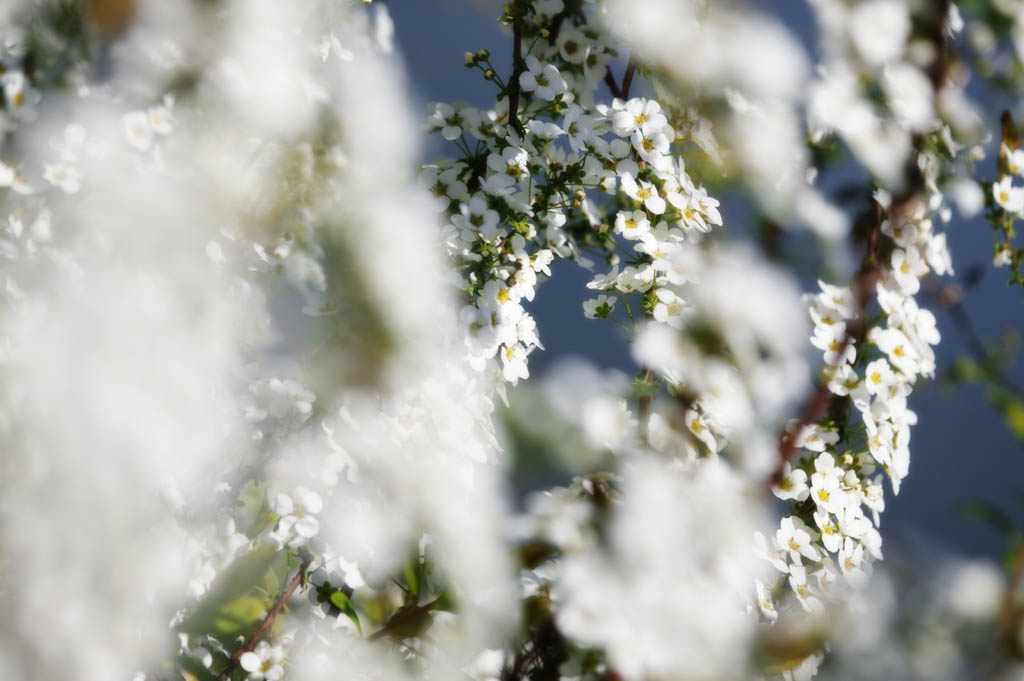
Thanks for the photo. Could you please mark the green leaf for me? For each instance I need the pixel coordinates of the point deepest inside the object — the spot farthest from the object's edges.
(255, 508)
(230, 599)
(239, 616)
(988, 513)
(409, 621)
(1013, 412)
(342, 602)
(193, 669)
(411, 579)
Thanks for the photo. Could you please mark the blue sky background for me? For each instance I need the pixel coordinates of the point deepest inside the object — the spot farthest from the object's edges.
(960, 449)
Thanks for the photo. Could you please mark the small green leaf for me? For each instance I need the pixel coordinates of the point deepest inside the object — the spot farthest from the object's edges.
(1013, 412)
(341, 602)
(988, 513)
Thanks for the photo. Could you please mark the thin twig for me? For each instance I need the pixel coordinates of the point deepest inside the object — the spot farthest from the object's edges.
(951, 300)
(269, 619)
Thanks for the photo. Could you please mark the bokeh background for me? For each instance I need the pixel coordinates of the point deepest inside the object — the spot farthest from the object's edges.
(961, 449)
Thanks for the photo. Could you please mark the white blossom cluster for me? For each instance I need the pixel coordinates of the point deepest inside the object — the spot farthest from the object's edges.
(251, 363)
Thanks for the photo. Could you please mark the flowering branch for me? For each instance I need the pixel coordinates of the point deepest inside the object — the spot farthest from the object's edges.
(817, 404)
(307, 558)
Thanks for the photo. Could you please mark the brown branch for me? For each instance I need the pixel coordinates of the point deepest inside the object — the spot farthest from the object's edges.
(518, 10)
(609, 80)
(269, 619)
(1009, 611)
(627, 78)
(819, 401)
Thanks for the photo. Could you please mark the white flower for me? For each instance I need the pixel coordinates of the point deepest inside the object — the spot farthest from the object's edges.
(764, 601)
(773, 554)
(837, 298)
(643, 115)
(851, 561)
(793, 484)
(803, 591)
(814, 438)
(795, 537)
(448, 119)
(604, 282)
(138, 130)
(632, 224)
(544, 79)
(572, 45)
(835, 345)
(653, 148)
(1014, 159)
(579, 127)
(878, 377)
(21, 98)
(264, 662)
(1003, 256)
(831, 538)
(62, 176)
(161, 120)
(1009, 198)
(937, 255)
(511, 163)
(908, 267)
(476, 216)
(825, 485)
(513, 360)
(696, 424)
(297, 513)
(599, 307)
(879, 29)
(668, 308)
(897, 346)
(635, 279)
(644, 192)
